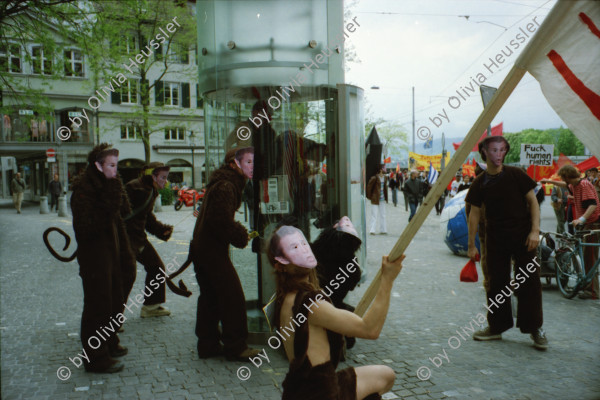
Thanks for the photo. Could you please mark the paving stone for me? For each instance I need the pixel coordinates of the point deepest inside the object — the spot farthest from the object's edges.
(429, 305)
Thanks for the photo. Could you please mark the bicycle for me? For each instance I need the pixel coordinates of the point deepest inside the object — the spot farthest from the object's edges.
(570, 272)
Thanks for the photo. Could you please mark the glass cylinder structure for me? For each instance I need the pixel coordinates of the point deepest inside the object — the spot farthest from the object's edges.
(271, 75)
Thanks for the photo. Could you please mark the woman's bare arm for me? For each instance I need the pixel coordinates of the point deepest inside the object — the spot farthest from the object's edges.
(350, 324)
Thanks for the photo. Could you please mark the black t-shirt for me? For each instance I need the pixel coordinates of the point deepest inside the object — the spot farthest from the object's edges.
(504, 198)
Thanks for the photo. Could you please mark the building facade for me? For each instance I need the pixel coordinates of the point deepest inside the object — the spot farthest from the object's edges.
(88, 108)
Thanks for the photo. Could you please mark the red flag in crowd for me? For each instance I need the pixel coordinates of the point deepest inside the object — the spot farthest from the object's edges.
(496, 131)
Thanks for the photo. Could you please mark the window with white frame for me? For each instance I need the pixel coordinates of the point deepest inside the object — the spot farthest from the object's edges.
(73, 63)
(129, 44)
(171, 91)
(178, 54)
(175, 134)
(10, 58)
(131, 132)
(41, 61)
(129, 92)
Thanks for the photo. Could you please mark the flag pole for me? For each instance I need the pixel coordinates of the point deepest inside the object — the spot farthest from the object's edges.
(513, 77)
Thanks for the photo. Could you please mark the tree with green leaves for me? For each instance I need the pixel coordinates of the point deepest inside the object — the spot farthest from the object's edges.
(568, 144)
(45, 23)
(133, 44)
(563, 140)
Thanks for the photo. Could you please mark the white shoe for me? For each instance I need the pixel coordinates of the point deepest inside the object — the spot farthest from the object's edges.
(154, 311)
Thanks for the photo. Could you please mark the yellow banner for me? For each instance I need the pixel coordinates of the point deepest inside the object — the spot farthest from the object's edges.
(420, 161)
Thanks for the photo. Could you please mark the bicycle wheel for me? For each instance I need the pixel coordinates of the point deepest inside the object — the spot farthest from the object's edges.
(568, 272)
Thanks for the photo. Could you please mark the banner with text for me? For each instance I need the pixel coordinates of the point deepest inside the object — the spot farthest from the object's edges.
(537, 154)
(421, 161)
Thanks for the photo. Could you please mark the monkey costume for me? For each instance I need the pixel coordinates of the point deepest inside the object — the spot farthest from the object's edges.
(221, 295)
(142, 194)
(103, 254)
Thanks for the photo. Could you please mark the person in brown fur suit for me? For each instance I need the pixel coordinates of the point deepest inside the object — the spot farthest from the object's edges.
(142, 193)
(103, 252)
(312, 328)
(221, 295)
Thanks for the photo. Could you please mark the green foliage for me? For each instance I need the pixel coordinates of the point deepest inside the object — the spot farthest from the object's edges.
(563, 140)
(110, 34)
(43, 23)
(393, 136)
(166, 196)
(121, 31)
(568, 144)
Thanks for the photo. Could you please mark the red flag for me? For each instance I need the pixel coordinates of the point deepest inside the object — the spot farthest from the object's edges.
(468, 169)
(541, 172)
(387, 160)
(563, 160)
(587, 164)
(397, 167)
(496, 131)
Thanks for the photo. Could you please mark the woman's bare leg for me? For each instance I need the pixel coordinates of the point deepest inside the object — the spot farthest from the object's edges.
(373, 379)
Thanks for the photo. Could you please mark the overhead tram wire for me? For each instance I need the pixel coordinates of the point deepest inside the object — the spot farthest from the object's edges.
(491, 44)
(438, 15)
(476, 58)
(520, 4)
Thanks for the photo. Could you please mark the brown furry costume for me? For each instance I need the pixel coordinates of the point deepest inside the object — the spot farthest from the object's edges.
(221, 294)
(103, 254)
(139, 191)
(320, 382)
(334, 249)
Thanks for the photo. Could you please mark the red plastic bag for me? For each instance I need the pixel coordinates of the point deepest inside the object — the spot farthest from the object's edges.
(469, 272)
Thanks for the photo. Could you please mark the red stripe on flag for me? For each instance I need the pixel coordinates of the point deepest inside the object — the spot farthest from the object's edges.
(590, 24)
(591, 99)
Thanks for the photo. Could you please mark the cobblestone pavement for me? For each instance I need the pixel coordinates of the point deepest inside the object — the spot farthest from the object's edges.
(41, 302)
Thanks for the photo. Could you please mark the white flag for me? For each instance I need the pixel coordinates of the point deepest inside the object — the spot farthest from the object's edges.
(433, 174)
(567, 66)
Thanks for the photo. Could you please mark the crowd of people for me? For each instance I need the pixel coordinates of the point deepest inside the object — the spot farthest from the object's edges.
(111, 222)
(414, 185)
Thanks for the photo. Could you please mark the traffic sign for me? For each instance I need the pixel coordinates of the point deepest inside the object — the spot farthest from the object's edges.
(50, 153)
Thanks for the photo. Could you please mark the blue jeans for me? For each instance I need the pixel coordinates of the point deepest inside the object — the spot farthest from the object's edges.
(413, 210)
(395, 196)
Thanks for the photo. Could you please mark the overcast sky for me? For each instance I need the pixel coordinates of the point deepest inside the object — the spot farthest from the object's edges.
(431, 45)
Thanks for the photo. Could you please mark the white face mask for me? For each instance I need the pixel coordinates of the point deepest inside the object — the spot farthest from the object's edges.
(246, 164)
(109, 168)
(295, 249)
(345, 225)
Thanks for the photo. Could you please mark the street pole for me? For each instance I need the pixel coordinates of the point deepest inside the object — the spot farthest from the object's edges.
(193, 169)
(193, 161)
(413, 121)
(443, 164)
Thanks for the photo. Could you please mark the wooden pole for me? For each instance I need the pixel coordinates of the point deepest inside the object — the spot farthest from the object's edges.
(485, 119)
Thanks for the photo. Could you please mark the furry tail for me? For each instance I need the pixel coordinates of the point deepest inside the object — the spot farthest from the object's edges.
(67, 243)
(181, 290)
